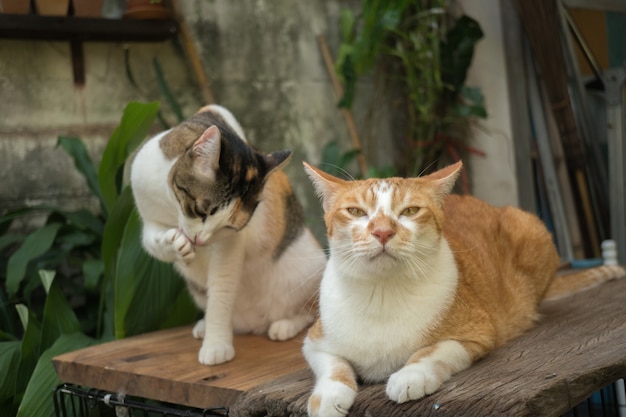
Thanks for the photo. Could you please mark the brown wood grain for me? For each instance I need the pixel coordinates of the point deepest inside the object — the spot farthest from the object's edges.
(164, 366)
(578, 347)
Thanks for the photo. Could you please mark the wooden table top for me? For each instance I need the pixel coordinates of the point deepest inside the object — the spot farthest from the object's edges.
(164, 366)
(578, 346)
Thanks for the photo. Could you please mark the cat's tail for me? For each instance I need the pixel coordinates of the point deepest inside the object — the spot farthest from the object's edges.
(570, 283)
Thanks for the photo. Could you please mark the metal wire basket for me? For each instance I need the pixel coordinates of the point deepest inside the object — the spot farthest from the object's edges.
(75, 401)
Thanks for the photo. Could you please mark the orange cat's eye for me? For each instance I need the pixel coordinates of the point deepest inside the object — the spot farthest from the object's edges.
(356, 212)
(410, 211)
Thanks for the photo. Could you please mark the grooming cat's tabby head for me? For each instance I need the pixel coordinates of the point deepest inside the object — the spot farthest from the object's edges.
(219, 178)
(378, 223)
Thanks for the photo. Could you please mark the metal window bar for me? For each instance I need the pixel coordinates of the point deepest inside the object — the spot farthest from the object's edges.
(75, 401)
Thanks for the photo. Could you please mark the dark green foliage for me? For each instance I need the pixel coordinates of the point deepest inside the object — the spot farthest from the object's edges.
(426, 51)
(81, 278)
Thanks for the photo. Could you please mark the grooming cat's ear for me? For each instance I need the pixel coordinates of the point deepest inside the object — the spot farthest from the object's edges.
(444, 179)
(206, 150)
(325, 184)
(276, 160)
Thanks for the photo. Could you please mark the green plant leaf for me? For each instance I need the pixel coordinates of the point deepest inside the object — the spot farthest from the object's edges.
(7, 240)
(114, 227)
(144, 288)
(29, 349)
(37, 401)
(36, 244)
(8, 319)
(9, 365)
(346, 25)
(457, 50)
(46, 279)
(181, 311)
(349, 76)
(471, 103)
(165, 90)
(77, 150)
(58, 317)
(384, 172)
(133, 128)
(7, 218)
(111, 241)
(336, 162)
(93, 269)
(85, 220)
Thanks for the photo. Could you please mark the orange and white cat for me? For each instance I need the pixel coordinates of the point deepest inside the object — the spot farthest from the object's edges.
(225, 214)
(420, 284)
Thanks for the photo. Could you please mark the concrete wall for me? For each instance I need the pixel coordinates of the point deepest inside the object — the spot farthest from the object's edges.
(264, 63)
(493, 176)
(40, 102)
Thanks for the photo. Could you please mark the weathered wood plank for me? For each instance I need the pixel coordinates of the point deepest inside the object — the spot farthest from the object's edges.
(164, 366)
(578, 347)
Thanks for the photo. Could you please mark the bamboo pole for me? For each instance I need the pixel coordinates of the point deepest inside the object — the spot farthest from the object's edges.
(193, 57)
(347, 114)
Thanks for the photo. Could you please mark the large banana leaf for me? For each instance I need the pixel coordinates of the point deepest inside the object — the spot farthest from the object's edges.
(9, 361)
(77, 150)
(59, 334)
(134, 126)
(58, 316)
(37, 400)
(145, 289)
(36, 244)
(29, 349)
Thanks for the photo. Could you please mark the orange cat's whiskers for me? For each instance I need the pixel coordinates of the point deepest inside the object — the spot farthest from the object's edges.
(345, 173)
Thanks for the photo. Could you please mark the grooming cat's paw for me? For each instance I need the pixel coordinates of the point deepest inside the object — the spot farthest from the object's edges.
(415, 381)
(182, 247)
(198, 330)
(334, 399)
(216, 353)
(284, 329)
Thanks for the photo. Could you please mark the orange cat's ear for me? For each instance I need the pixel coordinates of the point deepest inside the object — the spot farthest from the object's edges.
(325, 184)
(206, 150)
(444, 179)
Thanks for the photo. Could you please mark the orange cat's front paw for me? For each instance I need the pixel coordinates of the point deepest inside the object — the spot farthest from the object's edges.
(331, 399)
(414, 382)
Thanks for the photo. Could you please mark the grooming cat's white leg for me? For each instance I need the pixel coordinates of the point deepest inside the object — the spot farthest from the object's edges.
(335, 384)
(167, 244)
(287, 328)
(427, 370)
(198, 329)
(224, 277)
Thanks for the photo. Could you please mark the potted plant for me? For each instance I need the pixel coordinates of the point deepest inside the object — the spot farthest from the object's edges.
(15, 6)
(425, 50)
(52, 7)
(87, 8)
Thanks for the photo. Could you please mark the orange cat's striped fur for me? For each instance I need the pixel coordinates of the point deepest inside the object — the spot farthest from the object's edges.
(420, 284)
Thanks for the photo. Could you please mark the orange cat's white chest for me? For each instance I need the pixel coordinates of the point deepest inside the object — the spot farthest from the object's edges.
(378, 323)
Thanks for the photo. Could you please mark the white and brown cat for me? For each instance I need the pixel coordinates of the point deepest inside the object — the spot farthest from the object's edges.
(420, 284)
(226, 216)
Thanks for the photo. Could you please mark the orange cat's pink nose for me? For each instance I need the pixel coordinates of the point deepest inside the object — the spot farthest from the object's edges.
(383, 235)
